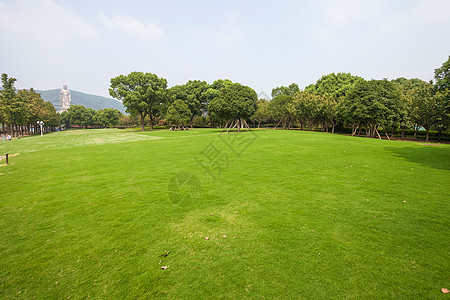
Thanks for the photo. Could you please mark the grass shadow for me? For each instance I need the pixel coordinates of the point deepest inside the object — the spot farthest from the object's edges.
(436, 157)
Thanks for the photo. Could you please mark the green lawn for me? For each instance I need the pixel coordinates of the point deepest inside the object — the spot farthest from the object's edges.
(89, 213)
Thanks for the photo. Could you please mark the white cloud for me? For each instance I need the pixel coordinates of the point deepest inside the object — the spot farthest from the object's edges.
(131, 26)
(42, 20)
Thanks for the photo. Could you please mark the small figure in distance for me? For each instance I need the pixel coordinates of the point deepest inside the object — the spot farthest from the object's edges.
(171, 128)
(3, 136)
(8, 137)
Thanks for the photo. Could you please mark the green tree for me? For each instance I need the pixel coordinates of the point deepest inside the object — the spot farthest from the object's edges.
(262, 113)
(442, 78)
(77, 115)
(9, 104)
(335, 85)
(194, 94)
(291, 90)
(235, 104)
(408, 89)
(107, 117)
(333, 88)
(178, 113)
(372, 104)
(141, 93)
(51, 117)
(280, 109)
(426, 105)
(33, 108)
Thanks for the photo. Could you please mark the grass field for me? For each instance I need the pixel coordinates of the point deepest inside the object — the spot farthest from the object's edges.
(97, 213)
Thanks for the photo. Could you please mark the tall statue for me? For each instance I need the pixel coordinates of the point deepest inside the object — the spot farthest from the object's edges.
(64, 97)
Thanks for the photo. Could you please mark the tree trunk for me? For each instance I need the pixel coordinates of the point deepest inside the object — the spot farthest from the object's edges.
(375, 128)
(354, 129)
(151, 122)
(259, 123)
(403, 133)
(142, 122)
(277, 125)
(428, 133)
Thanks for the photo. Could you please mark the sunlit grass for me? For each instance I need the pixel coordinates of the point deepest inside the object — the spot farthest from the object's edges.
(88, 213)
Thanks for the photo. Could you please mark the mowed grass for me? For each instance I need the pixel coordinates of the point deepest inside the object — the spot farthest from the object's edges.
(90, 213)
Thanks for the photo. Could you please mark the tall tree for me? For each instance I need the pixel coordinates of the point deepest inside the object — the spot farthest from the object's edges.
(372, 104)
(178, 113)
(442, 78)
(262, 113)
(235, 104)
(51, 117)
(8, 95)
(291, 90)
(107, 117)
(141, 93)
(335, 85)
(78, 115)
(280, 110)
(193, 93)
(408, 90)
(426, 107)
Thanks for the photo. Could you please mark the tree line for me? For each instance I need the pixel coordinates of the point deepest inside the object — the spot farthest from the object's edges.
(80, 116)
(20, 110)
(334, 103)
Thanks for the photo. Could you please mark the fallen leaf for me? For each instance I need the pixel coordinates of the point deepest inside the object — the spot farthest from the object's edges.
(445, 291)
(206, 238)
(164, 267)
(224, 236)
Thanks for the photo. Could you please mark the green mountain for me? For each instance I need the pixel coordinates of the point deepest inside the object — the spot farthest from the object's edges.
(79, 98)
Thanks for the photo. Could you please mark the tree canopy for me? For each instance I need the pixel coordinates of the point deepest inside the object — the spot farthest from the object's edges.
(234, 103)
(291, 90)
(194, 94)
(178, 113)
(141, 93)
(336, 85)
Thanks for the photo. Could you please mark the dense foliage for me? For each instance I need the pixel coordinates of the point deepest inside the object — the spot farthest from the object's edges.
(335, 102)
(143, 94)
(20, 110)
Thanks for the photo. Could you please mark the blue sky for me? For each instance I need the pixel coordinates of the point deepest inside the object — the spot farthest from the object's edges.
(262, 44)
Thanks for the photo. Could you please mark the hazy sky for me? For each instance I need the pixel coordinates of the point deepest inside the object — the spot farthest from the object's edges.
(262, 44)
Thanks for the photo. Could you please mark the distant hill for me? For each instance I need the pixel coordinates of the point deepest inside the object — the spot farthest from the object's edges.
(79, 98)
